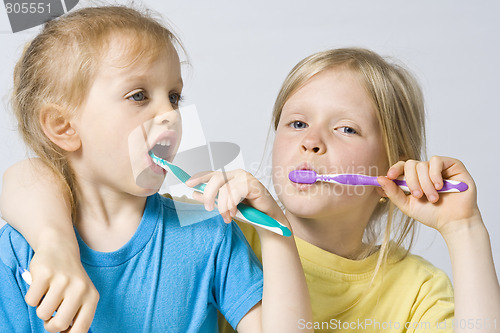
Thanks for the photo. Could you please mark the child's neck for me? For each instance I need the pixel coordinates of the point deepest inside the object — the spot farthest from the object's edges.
(339, 235)
(107, 220)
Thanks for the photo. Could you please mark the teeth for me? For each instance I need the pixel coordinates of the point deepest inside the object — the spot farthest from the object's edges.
(162, 149)
(164, 142)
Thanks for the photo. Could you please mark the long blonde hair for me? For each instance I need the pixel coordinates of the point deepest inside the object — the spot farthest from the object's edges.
(398, 101)
(60, 63)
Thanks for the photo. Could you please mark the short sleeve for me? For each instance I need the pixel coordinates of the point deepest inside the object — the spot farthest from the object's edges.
(13, 310)
(238, 276)
(435, 307)
(15, 314)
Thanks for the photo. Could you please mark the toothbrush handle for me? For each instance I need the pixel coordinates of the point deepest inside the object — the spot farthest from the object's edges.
(256, 217)
(260, 219)
(348, 179)
(448, 186)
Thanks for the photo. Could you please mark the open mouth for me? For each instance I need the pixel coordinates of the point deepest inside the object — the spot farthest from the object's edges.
(162, 149)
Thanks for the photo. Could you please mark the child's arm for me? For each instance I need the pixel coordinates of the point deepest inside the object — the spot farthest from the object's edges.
(456, 216)
(285, 296)
(33, 202)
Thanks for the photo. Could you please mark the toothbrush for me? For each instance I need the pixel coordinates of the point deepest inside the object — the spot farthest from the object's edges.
(311, 177)
(26, 275)
(245, 213)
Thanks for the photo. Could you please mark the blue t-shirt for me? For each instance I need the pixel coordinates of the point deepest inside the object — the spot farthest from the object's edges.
(167, 278)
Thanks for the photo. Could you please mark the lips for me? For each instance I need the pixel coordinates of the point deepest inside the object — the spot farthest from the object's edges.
(302, 166)
(305, 166)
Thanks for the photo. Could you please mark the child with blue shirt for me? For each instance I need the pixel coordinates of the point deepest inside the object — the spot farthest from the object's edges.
(81, 87)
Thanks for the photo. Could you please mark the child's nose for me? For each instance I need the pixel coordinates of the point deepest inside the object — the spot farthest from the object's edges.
(168, 116)
(313, 143)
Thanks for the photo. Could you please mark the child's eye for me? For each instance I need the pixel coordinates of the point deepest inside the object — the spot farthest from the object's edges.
(139, 96)
(347, 130)
(175, 98)
(298, 124)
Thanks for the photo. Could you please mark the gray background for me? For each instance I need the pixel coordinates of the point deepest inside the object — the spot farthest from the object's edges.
(241, 52)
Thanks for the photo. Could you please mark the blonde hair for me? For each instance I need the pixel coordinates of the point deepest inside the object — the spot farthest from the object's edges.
(398, 101)
(59, 65)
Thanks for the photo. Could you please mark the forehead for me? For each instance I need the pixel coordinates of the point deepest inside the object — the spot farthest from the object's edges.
(130, 48)
(340, 82)
(119, 68)
(340, 88)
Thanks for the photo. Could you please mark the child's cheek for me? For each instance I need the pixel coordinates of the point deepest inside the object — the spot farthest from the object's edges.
(353, 161)
(280, 149)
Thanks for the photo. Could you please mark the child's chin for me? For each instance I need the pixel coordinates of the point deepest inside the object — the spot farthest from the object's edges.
(149, 181)
(146, 192)
(309, 206)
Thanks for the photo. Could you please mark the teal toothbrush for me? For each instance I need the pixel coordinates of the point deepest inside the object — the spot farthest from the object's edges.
(245, 213)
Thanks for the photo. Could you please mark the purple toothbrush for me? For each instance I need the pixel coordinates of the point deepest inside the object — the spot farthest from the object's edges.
(311, 177)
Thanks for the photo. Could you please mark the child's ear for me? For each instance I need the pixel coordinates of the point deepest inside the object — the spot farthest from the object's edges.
(57, 126)
(381, 192)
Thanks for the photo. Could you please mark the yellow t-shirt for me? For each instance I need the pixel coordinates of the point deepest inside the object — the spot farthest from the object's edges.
(408, 295)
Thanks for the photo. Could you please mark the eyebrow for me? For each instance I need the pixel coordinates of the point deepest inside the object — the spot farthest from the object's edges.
(341, 112)
(131, 76)
(134, 77)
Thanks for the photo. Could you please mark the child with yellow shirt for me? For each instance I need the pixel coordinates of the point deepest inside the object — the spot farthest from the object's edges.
(351, 111)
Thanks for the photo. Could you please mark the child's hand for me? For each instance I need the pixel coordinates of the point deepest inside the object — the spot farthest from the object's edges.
(230, 188)
(444, 212)
(61, 284)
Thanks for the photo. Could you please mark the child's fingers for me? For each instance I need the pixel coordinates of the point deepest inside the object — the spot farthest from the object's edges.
(237, 189)
(67, 310)
(234, 198)
(212, 190)
(451, 167)
(38, 288)
(222, 205)
(85, 314)
(208, 199)
(225, 188)
(425, 182)
(51, 300)
(57, 324)
(233, 201)
(63, 318)
(436, 166)
(411, 178)
(198, 196)
(393, 192)
(396, 170)
(200, 177)
(233, 211)
(229, 198)
(83, 319)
